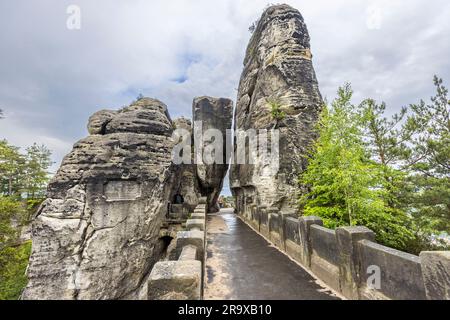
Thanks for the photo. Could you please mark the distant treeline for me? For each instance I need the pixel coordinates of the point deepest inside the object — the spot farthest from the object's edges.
(23, 181)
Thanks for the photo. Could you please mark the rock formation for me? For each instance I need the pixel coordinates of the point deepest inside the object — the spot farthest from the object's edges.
(96, 235)
(188, 184)
(213, 114)
(278, 90)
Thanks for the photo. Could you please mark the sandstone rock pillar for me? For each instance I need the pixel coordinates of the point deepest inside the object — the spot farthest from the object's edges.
(278, 90)
(217, 114)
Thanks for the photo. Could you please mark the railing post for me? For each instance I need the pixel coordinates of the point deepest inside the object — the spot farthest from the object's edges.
(283, 216)
(349, 266)
(305, 239)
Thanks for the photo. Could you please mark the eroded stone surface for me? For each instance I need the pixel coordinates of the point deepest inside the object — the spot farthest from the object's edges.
(98, 121)
(213, 113)
(96, 235)
(278, 73)
(175, 280)
(188, 185)
(436, 274)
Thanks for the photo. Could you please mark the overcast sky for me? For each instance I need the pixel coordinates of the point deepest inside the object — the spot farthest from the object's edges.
(52, 78)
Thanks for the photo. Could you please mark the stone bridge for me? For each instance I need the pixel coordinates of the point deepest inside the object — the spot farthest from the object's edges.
(122, 220)
(268, 255)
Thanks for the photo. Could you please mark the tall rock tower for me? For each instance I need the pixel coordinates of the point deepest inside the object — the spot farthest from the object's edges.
(278, 90)
(212, 113)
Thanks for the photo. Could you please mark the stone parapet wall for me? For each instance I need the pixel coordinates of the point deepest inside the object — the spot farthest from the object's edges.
(182, 278)
(349, 261)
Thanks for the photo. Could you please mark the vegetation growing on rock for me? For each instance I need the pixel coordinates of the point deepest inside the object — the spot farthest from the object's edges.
(275, 110)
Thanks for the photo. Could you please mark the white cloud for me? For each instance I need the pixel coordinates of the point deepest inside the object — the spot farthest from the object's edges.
(53, 78)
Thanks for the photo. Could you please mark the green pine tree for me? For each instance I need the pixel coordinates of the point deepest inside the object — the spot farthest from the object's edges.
(346, 186)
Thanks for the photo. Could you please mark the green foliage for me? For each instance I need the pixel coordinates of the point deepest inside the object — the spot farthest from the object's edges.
(1, 114)
(391, 174)
(13, 256)
(13, 264)
(36, 170)
(428, 162)
(346, 186)
(12, 165)
(23, 180)
(275, 110)
(11, 211)
(24, 173)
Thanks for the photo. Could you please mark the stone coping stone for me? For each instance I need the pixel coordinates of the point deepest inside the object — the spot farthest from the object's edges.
(198, 215)
(195, 223)
(175, 280)
(401, 272)
(193, 237)
(188, 253)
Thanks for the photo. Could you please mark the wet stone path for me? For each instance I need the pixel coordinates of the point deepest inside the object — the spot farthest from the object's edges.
(241, 264)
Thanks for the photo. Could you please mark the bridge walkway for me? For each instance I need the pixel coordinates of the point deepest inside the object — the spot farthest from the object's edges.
(241, 264)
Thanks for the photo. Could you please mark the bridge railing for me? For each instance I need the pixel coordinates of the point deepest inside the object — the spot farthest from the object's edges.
(182, 278)
(350, 261)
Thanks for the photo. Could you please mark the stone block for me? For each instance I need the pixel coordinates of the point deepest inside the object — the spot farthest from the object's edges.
(324, 255)
(177, 208)
(198, 215)
(192, 224)
(305, 224)
(175, 280)
(194, 237)
(436, 274)
(399, 273)
(256, 216)
(292, 238)
(188, 253)
(347, 240)
(264, 222)
(282, 230)
(275, 230)
(274, 222)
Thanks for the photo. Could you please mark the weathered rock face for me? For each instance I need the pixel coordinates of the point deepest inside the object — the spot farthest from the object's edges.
(98, 121)
(188, 184)
(278, 78)
(217, 114)
(96, 235)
